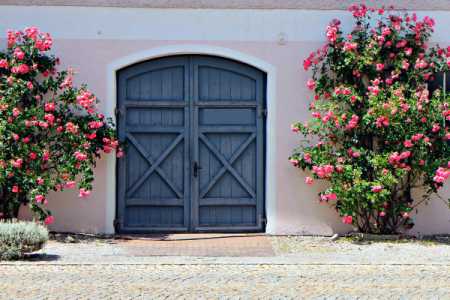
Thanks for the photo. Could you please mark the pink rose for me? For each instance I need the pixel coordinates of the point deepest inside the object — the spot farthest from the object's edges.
(17, 163)
(294, 162)
(382, 121)
(379, 67)
(72, 128)
(348, 46)
(408, 144)
(39, 198)
(377, 188)
(95, 124)
(19, 54)
(70, 184)
(328, 197)
(417, 137)
(405, 65)
(309, 180)
(86, 99)
(405, 154)
(332, 196)
(4, 64)
(20, 69)
(49, 220)
(374, 90)
(347, 219)
(16, 112)
(441, 175)
(356, 154)
(80, 156)
(84, 193)
(311, 84)
(436, 128)
(45, 155)
(31, 32)
(401, 44)
(49, 107)
(15, 189)
(49, 118)
(405, 107)
(307, 158)
(332, 33)
(307, 64)
(107, 148)
(120, 154)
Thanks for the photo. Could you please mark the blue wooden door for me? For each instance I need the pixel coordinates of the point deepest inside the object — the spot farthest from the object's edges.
(194, 126)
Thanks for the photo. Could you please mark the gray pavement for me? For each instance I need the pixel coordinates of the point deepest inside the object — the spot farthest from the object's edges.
(297, 268)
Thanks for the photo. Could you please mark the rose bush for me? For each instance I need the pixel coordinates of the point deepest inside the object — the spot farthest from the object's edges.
(376, 131)
(50, 131)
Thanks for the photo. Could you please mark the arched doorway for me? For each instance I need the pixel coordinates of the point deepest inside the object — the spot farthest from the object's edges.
(194, 125)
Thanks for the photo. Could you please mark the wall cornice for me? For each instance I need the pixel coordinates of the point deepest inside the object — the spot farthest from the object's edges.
(236, 4)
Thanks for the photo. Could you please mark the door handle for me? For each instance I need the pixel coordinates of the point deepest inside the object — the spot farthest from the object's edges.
(196, 167)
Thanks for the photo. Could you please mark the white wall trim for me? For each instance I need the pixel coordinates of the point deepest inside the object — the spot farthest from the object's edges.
(270, 70)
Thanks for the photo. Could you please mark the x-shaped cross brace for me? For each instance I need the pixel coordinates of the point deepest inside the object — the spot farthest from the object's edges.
(154, 165)
(227, 165)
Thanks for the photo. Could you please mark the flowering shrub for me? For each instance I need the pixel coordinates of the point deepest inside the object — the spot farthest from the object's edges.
(18, 238)
(50, 131)
(380, 131)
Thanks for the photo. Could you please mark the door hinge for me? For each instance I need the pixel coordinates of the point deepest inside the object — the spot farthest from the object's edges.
(263, 220)
(117, 223)
(263, 112)
(117, 111)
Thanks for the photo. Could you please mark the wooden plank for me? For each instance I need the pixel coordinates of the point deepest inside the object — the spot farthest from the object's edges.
(150, 104)
(154, 202)
(227, 202)
(227, 129)
(227, 103)
(153, 229)
(229, 228)
(154, 129)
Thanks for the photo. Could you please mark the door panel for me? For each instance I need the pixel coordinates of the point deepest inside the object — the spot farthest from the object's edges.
(195, 136)
(227, 193)
(153, 178)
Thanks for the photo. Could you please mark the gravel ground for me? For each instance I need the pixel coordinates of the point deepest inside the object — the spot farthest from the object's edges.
(301, 268)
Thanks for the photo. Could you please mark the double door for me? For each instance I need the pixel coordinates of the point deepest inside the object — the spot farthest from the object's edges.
(194, 128)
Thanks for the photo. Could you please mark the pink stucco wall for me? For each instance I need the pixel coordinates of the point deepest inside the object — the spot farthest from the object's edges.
(296, 210)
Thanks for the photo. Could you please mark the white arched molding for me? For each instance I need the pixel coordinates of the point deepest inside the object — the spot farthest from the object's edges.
(271, 178)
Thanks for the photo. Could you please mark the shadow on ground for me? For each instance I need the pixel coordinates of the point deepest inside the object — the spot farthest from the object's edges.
(41, 257)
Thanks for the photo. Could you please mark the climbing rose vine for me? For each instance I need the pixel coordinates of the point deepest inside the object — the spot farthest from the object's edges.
(50, 131)
(376, 130)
